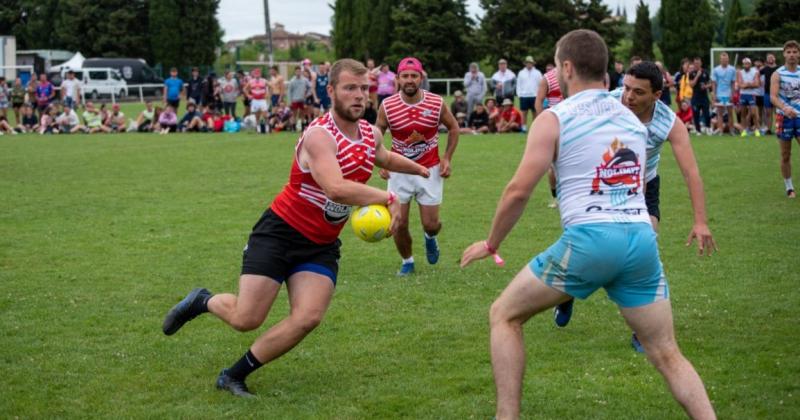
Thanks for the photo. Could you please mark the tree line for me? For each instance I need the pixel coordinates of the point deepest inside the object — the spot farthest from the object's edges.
(166, 32)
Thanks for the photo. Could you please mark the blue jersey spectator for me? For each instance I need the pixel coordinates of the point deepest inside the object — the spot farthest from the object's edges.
(173, 87)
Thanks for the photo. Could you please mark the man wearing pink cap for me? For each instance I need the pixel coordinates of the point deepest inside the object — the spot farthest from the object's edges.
(413, 116)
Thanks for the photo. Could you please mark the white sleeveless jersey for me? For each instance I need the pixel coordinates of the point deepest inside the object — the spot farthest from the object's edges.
(749, 77)
(600, 164)
(789, 90)
(657, 133)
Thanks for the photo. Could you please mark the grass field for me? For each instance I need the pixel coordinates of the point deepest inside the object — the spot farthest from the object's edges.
(101, 235)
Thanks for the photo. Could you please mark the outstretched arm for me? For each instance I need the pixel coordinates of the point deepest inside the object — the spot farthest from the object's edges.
(684, 155)
(395, 162)
(539, 153)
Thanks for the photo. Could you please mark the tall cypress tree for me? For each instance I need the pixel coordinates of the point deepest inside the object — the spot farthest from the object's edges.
(379, 36)
(732, 22)
(642, 33)
(685, 34)
(344, 32)
(165, 32)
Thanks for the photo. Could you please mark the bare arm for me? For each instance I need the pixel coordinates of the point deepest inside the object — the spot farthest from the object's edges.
(382, 123)
(540, 94)
(539, 153)
(452, 140)
(396, 162)
(684, 155)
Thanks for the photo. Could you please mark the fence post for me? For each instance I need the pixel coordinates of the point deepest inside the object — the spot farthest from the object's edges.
(448, 87)
(141, 94)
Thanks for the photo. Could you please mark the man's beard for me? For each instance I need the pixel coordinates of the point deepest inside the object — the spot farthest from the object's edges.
(347, 112)
(410, 90)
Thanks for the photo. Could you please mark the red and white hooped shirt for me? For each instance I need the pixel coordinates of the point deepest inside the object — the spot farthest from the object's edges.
(415, 127)
(303, 204)
(554, 95)
(258, 88)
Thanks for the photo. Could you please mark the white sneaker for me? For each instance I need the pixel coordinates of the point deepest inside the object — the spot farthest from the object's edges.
(553, 204)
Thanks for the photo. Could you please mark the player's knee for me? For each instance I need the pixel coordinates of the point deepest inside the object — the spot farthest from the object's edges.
(664, 356)
(431, 226)
(498, 314)
(307, 321)
(246, 323)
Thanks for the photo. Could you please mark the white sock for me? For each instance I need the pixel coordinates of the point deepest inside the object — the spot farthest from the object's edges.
(408, 260)
(788, 183)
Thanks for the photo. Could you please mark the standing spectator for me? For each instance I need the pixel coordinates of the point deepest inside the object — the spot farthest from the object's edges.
(666, 93)
(5, 96)
(475, 85)
(723, 79)
(479, 119)
(615, 78)
(244, 80)
(459, 104)
(759, 64)
(311, 98)
(230, 92)
(45, 92)
(749, 79)
(683, 87)
(312, 75)
(68, 121)
(71, 91)
(29, 123)
(256, 91)
(700, 82)
(30, 93)
(323, 102)
(277, 86)
(372, 73)
(194, 87)
(298, 87)
(17, 98)
(769, 110)
(503, 82)
(115, 120)
(173, 89)
(168, 121)
(387, 85)
(527, 86)
(510, 119)
(211, 92)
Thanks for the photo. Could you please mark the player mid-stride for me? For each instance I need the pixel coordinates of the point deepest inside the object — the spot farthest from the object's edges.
(608, 241)
(296, 239)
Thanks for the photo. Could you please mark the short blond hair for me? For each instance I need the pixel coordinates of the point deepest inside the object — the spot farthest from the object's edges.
(346, 64)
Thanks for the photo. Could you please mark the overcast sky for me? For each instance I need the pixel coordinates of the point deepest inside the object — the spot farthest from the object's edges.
(244, 18)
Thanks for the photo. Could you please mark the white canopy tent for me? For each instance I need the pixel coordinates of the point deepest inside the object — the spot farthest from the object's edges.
(75, 63)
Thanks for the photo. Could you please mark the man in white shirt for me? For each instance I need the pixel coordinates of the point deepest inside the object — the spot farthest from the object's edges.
(71, 90)
(503, 82)
(68, 121)
(527, 85)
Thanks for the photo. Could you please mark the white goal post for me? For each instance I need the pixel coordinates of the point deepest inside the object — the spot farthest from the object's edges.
(10, 72)
(737, 53)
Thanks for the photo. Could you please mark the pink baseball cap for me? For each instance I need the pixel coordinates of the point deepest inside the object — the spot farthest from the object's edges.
(409, 63)
(307, 61)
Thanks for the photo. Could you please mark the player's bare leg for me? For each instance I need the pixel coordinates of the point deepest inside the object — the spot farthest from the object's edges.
(247, 310)
(786, 166)
(653, 326)
(429, 215)
(403, 242)
(524, 297)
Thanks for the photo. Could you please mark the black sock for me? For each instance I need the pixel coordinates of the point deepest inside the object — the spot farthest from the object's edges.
(553, 192)
(200, 306)
(245, 366)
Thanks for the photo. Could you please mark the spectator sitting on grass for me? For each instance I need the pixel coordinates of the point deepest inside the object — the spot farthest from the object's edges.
(5, 127)
(479, 119)
(48, 124)
(115, 120)
(94, 120)
(145, 119)
(192, 120)
(68, 121)
(494, 114)
(687, 116)
(510, 119)
(459, 104)
(28, 122)
(281, 117)
(168, 121)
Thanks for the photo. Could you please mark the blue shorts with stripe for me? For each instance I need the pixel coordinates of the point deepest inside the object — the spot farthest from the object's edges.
(619, 257)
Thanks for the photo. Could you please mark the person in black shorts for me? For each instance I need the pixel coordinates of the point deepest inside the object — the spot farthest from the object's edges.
(296, 239)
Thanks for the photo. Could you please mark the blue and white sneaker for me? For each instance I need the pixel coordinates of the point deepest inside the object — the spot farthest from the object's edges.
(563, 312)
(406, 269)
(636, 344)
(432, 250)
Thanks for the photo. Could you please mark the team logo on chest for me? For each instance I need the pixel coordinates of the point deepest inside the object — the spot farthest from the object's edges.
(619, 169)
(336, 213)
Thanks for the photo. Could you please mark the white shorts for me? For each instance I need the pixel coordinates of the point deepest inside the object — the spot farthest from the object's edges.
(427, 191)
(258, 105)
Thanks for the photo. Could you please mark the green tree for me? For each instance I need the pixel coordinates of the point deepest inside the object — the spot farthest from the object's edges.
(514, 29)
(109, 29)
(165, 32)
(642, 33)
(688, 30)
(379, 35)
(732, 22)
(184, 33)
(597, 16)
(438, 32)
(344, 32)
(769, 26)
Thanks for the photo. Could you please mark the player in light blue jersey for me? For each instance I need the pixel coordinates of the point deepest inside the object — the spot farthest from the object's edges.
(785, 96)
(640, 93)
(597, 147)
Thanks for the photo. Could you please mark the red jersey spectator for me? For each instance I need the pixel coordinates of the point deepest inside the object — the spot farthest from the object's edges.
(510, 118)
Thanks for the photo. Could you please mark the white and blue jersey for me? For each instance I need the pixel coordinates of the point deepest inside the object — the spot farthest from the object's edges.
(658, 129)
(724, 78)
(608, 241)
(789, 92)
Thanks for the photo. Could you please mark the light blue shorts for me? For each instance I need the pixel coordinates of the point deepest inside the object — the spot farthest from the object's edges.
(619, 257)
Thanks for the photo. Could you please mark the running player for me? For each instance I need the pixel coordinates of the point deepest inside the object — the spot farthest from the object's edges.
(551, 92)
(642, 86)
(596, 145)
(413, 115)
(785, 96)
(296, 239)
(256, 91)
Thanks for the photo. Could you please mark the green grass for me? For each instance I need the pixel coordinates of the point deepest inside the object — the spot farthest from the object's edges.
(101, 235)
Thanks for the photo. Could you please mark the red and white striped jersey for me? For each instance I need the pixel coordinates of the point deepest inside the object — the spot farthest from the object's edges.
(415, 127)
(553, 89)
(258, 88)
(303, 204)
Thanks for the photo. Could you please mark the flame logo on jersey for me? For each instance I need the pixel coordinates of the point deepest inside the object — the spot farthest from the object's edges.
(415, 146)
(620, 168)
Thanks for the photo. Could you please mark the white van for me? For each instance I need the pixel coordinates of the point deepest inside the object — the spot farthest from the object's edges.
(96, 82)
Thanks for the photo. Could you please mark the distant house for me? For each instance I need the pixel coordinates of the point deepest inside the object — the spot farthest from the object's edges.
(282, 39)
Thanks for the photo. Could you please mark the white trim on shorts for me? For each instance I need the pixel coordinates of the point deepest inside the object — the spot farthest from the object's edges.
(427, 191)
(259, 105)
